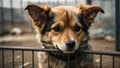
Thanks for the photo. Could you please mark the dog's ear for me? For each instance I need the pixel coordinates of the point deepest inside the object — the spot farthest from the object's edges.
(37, 12)
(89, 12)
(39, 15)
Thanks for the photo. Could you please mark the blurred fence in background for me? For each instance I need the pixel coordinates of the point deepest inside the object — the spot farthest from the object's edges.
(11, 12)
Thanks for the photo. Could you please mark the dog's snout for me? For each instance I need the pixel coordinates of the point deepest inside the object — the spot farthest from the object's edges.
(71, 44)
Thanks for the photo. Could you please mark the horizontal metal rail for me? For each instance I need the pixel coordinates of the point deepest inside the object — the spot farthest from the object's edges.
(112, 53)
(27, 48)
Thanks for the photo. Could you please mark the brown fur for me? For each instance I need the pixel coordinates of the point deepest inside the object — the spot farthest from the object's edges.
(66, 18)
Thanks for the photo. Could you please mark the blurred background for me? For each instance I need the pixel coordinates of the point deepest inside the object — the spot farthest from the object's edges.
(12, 16)
(16, 28)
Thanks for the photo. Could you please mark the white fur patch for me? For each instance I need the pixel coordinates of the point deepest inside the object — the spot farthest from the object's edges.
(38, 37)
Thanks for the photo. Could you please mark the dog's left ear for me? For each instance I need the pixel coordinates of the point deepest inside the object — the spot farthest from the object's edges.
(89, 12)
(37, 12)
(39, 15)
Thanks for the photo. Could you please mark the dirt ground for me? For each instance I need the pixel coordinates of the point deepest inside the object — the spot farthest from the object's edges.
(29, 40)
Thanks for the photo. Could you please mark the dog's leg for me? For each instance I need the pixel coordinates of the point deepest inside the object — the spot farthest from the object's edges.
(43, 65)
(42, 60)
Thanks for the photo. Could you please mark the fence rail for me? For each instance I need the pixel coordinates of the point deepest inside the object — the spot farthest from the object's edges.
(111, 53)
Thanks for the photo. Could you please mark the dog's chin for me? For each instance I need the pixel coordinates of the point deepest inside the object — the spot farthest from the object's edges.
(66, 51)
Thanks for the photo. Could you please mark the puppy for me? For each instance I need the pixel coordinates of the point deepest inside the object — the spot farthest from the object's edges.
(64, 28)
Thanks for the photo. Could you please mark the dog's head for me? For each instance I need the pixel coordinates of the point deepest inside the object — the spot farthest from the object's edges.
(63, 27)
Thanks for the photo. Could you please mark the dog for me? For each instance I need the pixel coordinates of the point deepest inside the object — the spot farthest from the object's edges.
(64, 28)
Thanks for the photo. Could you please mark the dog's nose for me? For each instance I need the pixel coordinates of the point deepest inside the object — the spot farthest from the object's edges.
(71, 44)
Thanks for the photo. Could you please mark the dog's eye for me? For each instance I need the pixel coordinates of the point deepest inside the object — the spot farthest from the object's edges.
(77, 28)
(57, 29)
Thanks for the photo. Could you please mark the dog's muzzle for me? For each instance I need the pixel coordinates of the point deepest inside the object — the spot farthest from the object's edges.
(70, 45)
(65, 51)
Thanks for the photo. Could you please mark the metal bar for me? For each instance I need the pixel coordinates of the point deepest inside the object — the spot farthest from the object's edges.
(119, 62)
(48, 61)
(21, 5)
(100, 60)
(111, 53)
(117, 32)
(66, 2)
(76, 62)
(113, 62)
(68, 62)
(39, 2)
(88, 1)
(48, 2)
(75, 2)
(2, 58)
(32, 59)
(22, 58)
(2, 16)
(84, 62)
(57, 2)
(28, 49)
(13, 57)
(12, 14)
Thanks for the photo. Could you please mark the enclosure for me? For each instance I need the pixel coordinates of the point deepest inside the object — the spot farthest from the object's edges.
(19, 47)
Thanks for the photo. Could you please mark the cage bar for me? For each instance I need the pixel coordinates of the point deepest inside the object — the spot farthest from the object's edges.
(117, 17)
(48, 61)
(12, 14)
(100, 60)
(22, 58)
(2, 58)
(113, 61)
(13, 57)
(76, 62)
(2, 16)
(21, 7)
(33, 59)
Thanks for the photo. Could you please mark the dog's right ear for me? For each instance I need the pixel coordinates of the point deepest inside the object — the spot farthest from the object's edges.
(38, 13)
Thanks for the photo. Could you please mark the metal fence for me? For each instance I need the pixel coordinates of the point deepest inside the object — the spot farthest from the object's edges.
(115, 57)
